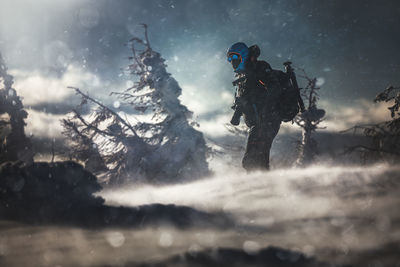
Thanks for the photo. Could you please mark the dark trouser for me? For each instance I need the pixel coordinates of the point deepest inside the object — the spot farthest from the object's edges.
(259, 142)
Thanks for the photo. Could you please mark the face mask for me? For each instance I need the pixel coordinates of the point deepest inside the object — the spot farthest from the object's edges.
(235, 59)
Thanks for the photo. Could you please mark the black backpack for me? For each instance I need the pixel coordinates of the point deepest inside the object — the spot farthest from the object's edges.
(288, 106)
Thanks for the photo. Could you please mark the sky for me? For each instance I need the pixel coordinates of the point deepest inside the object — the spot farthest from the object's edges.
(351, 46)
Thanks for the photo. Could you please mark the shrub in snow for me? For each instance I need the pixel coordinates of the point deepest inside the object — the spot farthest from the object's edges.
(309, 121)
(384, 136)
(42, 190)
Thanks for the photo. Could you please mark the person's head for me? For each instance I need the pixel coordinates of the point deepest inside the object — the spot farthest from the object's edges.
(237, 55)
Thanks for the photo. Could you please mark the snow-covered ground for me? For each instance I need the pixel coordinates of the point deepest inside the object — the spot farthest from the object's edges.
(336, 214)
(315, 209)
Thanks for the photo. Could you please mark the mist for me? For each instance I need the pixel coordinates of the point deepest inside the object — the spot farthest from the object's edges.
(340, 210)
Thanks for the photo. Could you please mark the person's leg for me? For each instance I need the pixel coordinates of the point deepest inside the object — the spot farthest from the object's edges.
(254, 156)
(270, 130)
(261, 135)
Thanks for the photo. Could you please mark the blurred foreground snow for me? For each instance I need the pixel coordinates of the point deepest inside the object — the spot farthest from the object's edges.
(316, 210)
(340, 215)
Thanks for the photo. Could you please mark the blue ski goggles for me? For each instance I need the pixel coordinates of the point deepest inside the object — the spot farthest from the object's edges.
(235, 59)
(234, 56)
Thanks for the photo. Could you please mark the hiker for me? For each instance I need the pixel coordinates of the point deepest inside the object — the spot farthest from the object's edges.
(265, 97)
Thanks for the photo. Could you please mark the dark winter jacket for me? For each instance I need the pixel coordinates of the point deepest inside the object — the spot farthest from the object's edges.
(259, 92)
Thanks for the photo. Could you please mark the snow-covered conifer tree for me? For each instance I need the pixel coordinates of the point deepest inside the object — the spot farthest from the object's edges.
(14, 144)
(161, 144)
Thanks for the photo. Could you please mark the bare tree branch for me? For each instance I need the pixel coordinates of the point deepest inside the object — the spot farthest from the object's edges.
(384, 136)
(106, 108)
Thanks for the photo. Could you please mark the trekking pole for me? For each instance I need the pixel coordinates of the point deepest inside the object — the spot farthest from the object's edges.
(293, 80)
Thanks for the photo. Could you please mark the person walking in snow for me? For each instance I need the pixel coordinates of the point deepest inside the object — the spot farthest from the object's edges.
(258, 99)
